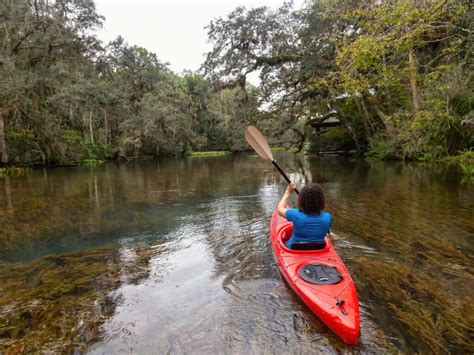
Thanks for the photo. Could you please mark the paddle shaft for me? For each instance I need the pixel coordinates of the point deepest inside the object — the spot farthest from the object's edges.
(284, 175)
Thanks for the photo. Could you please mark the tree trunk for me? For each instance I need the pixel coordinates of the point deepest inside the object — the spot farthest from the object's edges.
(413, 75)
(318, 134)
(85, 127)
(301, 140)
(351, 130)
(90, 127)
(365, 116)
(3, 144)
(386, 82)
(392, 132)
(106, 128)
(343, 119)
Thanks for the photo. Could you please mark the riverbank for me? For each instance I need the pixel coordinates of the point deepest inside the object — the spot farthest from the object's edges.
(463, 161)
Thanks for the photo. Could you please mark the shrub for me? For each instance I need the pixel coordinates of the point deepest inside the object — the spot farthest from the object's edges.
(382, 147)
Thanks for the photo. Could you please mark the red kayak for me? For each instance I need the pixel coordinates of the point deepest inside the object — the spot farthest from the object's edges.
(320, 279)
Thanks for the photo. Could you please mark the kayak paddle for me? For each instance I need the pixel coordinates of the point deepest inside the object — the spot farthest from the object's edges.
(258, 142)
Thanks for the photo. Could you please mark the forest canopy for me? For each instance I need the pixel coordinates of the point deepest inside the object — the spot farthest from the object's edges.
(397, 75)
(67, 97)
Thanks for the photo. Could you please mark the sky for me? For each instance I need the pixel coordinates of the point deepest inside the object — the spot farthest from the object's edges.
(174, 30)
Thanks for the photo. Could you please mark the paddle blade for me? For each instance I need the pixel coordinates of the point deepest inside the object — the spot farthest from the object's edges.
(258, 142)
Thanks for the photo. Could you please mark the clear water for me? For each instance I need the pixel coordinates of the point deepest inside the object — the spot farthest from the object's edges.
(174, 256)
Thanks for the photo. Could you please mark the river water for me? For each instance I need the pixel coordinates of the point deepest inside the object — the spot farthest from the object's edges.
(173, 256)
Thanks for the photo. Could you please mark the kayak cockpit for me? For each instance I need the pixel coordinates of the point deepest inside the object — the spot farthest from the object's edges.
(304, 248)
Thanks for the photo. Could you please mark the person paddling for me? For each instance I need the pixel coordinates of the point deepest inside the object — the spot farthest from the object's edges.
(310, 222)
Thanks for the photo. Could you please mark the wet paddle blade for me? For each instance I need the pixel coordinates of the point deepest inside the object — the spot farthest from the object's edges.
(258, 142)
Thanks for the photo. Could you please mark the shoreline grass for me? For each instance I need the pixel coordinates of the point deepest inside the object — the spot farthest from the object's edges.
(14, 171)
(215, 153)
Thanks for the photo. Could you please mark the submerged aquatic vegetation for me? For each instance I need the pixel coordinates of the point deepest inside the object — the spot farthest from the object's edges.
(58, 303)
(393, 218)
(417, 274)
(422, 310)
(52, 220)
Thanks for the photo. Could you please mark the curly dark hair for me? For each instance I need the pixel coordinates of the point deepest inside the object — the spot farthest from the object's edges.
(311, 199)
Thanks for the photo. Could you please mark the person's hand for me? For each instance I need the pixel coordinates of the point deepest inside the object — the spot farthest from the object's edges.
(291, 187)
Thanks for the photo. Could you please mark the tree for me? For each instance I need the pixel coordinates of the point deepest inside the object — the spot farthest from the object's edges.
(40, 41)
(380, 67)
(392, 64)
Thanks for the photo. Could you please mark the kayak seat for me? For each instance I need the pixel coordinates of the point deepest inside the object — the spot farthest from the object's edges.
(320, 274)
(308, 246)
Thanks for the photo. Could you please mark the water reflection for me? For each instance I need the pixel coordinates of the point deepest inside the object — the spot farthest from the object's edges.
(174, 256)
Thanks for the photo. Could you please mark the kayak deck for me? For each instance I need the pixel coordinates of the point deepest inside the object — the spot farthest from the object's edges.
(337, 304)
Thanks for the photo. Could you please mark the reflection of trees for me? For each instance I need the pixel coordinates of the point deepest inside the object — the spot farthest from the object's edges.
(94, 205)
(236, 232)
(8, 194)
(391, 206)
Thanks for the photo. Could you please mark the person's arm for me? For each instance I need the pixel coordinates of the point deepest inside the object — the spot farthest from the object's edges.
(283, 204)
